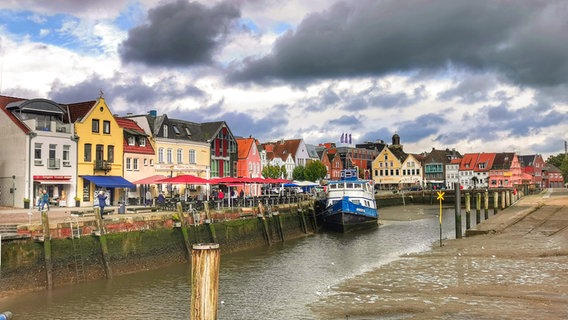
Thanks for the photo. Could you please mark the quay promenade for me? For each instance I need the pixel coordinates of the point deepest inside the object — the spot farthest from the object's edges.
(512, 266)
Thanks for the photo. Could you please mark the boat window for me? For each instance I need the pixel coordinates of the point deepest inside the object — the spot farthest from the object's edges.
(349, 185)
(356, 201)
(332, 186)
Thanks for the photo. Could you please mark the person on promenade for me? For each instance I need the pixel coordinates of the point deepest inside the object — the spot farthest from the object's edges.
(148, 198)
(161, 199)
(44, 200)
(102, 202)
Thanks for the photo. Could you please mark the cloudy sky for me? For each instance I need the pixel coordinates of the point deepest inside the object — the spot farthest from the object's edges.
(477, 76)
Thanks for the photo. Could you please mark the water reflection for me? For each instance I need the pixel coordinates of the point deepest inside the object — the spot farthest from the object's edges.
(270, 283)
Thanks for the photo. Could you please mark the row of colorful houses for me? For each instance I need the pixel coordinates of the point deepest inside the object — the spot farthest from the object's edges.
(74, 150)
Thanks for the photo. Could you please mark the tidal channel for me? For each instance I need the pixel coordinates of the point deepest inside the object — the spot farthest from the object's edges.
(277, 282)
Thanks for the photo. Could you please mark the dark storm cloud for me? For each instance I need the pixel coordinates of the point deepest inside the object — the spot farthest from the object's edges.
(179, 34)
(420, 127)
(527, 41)
(346, 121)
(135, 92)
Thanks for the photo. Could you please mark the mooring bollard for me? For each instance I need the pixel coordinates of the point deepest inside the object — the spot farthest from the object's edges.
(486, 204)
(478, 208)
(6, 315)
(205, 262)
(495, 202)
(467, 211)
(458, 211)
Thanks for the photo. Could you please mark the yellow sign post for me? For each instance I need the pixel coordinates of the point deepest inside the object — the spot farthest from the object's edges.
(441, 198)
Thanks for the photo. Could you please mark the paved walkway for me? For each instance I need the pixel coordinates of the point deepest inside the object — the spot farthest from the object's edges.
(515, 268)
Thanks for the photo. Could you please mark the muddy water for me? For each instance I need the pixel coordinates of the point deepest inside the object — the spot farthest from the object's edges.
(279, 282)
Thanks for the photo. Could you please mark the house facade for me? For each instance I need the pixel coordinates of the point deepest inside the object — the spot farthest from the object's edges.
(39, 152)
(532, 166)
(505, 171)
(100, 150)
(552, 176)
(138, 157)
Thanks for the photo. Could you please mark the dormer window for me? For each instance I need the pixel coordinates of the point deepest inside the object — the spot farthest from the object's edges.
(131, 140)
(187, 131)
(165, 130)
(142, 142)
(176, 130)
(482, 165)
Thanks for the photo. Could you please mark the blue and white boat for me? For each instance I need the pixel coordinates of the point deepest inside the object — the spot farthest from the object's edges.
(350, 203)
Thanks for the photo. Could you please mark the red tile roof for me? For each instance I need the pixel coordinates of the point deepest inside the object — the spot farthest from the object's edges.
(130, 124)
(79, 110)
(244, 145)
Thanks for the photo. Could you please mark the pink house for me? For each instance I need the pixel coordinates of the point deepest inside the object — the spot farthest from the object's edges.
(249, 163)
(506, 171)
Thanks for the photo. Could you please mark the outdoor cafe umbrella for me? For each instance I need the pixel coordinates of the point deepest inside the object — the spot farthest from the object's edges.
(185, 179)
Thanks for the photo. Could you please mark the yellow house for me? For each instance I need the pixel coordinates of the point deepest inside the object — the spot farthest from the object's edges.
(99, 153)
(387, 167)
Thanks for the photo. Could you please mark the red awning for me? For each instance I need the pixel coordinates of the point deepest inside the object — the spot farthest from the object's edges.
(150, 180)
(186, 178)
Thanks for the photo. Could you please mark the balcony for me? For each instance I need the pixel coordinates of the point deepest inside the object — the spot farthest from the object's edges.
(103, 165)
(53, 163)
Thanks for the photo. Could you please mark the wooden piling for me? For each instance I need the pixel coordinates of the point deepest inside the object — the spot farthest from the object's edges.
(486, 204)
(495, 202)
(47, 249)
(458, 224)
(467, 211)
(205, 265)
(103, 242)
(503, 203)
(183, 230)
(478, 207)
(508, 197)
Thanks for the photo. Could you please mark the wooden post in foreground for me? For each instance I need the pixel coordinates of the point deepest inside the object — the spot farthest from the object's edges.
(458, 211)
(486, 204)
(468, 211)
(205, 262)
(47, 249)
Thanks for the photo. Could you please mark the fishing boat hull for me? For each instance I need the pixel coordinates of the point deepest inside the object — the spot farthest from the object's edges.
(345, 216)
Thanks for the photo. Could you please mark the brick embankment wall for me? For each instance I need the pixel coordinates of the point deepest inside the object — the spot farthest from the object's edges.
(147, 245)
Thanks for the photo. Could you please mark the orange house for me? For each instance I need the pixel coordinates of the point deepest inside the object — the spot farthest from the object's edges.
(249, 164)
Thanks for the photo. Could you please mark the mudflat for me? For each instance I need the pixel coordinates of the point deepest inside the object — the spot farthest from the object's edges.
(514, 267)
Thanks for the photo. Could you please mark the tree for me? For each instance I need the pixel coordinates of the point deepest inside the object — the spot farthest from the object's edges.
(270, 171)
(299, 173)
(314, 171)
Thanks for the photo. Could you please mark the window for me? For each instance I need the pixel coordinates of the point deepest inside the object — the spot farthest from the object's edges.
(151, 162)
(135, 164)
(142, 141)
(87, 156)
(192, 156)
(106, 126)
(52, 162)
(66, 153)
(169, 155)
(99, 152)
(145, 162)
(179, 156)
(176, 130)
(37, 151)
(131, 140)
(187, 132)
(110, 154)
(128, 163)
(165, 130)
(160, 155)
(95, 125)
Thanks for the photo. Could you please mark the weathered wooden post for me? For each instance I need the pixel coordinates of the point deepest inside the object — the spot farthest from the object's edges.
(486, 204)
(458, 211)
(205, 263)
(508, 197)
(183, 228)
(478, 207)
(103, 242)
(467, 211)
(495, 202)
(503, 203)
(47, 249)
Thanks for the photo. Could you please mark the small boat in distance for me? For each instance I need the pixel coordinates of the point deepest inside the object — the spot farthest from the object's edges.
(350, 203)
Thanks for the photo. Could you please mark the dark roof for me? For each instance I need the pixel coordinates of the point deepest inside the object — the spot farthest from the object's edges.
(78, 110)
(503, 161)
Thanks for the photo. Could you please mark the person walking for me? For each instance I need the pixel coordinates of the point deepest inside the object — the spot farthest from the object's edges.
(44, 200)
(102, 202)
(148, 198)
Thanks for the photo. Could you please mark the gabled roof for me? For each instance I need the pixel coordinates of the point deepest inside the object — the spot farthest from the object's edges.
(503, 161)
(131, 128)
(468, 161)
(441, 156)
(244, 146)
(398, 153)
(78, 110)
(283, 148)
(487, 160)
(551, 168)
